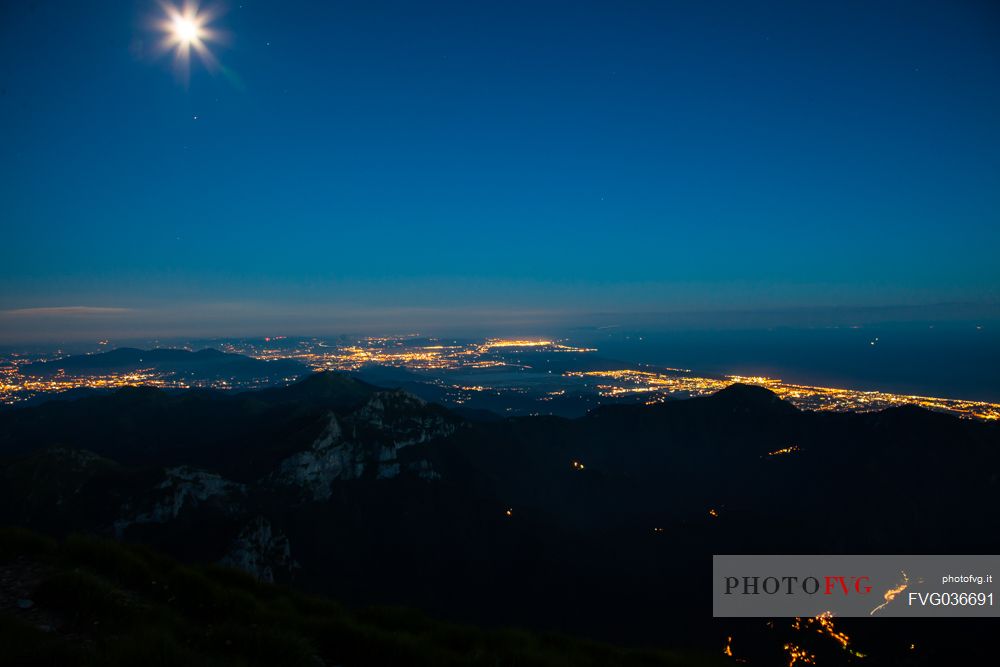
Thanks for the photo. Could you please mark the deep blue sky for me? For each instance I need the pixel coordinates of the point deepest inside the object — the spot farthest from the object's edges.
(364, 163)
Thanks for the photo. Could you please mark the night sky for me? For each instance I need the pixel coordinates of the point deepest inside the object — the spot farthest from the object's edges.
(393, 164)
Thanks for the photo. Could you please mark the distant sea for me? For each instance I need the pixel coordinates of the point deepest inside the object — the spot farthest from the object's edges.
(949, 360)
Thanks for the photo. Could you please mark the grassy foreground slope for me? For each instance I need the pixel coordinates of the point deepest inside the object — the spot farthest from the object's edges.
(85, 601)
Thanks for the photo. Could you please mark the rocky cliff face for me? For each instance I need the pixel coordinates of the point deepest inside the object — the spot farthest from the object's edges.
(261, 551)
(247, 458)
(183, 487)
(366, 443)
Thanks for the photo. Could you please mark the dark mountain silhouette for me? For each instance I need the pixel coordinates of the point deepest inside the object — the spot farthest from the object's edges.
(323, 389)
(67, 395)
(490, 405)
(205, 365)
(602, 526)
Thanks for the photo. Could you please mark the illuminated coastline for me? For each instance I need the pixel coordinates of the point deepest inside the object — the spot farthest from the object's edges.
(439, 359)
(806, 397)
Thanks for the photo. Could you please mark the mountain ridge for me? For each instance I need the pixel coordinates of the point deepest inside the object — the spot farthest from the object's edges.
(502, 519)
(204, 364)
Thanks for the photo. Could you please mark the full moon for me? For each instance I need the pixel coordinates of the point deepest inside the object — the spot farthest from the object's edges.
(185, 29)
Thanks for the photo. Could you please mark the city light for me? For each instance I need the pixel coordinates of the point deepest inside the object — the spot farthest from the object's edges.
(497, 365)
